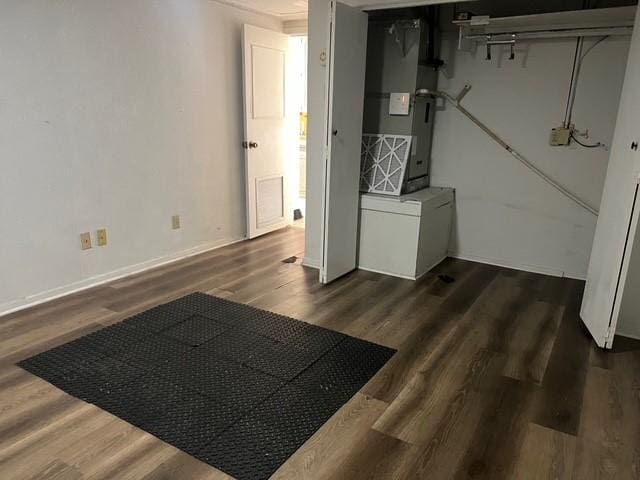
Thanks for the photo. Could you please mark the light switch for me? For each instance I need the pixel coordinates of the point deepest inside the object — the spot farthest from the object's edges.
(399, 103)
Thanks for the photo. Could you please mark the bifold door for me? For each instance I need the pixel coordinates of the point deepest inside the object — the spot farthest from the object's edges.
(346, 61)
(619, 209)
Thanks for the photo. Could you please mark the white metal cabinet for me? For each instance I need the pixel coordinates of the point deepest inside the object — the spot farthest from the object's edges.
(405, 236)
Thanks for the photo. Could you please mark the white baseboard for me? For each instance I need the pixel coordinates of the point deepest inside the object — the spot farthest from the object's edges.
(635, 336)
(310, 262)
(85, 284)
(517, 266)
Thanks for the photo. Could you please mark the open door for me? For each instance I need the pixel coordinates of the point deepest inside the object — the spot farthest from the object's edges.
(347, 52)
(264, 70)
(619, 210)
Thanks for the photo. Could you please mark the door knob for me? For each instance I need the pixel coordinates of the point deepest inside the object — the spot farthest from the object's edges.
(335, 132)
(634, 145)
(247, 145)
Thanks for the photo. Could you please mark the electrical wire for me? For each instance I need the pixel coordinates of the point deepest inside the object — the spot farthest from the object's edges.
(585, 145)
(573, 85)
(575, 71)
(602, 39)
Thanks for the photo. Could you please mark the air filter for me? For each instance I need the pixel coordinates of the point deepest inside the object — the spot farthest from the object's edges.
(383, 163)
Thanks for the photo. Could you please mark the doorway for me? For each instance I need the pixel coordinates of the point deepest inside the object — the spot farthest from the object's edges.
(275, 112)
(297, 129)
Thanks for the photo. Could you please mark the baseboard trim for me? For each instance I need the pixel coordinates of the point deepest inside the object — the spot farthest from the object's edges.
(58, 292)
(635, 336)
(517, 266)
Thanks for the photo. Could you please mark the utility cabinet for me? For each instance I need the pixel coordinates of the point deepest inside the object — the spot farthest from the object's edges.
(405, 236)
(400, 60)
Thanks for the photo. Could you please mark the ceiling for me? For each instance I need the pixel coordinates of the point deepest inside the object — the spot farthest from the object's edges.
(297, 9)
(282, 9)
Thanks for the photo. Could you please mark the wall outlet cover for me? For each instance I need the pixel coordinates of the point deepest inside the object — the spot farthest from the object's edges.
(102, 237)
(85, 240)
(175, 222)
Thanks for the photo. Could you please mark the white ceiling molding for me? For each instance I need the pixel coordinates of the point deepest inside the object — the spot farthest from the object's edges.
(290, 10)
(295, 27)
(382, 4)
(283, 10)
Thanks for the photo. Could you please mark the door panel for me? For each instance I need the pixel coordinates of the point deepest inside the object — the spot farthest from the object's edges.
(347, 59)
(265, 63)
(617, 222)
(268, 82)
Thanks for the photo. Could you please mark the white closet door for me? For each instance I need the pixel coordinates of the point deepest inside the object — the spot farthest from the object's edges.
(343, 131)
(619, 210)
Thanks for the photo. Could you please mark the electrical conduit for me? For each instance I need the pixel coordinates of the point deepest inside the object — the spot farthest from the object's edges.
(456, 103)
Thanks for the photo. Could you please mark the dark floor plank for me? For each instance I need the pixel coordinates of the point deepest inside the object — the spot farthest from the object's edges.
(609, 442)
(559, 402)
(488, 456)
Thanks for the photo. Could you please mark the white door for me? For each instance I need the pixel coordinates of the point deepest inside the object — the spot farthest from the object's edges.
(619, 210)
(264, 69)
(343, 133)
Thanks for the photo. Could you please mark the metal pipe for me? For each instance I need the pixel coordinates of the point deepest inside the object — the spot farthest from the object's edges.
(575, 74)
(508, 148)
(501, 42)
(579, 32)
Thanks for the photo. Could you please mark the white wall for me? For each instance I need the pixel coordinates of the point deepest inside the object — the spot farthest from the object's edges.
(504, 213)
(116, 114)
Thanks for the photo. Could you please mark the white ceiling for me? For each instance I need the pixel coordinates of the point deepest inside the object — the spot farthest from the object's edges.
(282, 9)
(297, 9)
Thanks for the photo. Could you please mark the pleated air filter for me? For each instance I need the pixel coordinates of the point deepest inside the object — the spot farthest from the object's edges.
(383, 163)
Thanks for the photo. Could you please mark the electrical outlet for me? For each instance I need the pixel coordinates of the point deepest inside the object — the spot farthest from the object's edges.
(85, 240)
(102, 237)
(175, 222)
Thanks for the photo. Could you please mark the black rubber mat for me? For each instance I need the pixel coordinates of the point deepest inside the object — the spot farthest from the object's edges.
(237, 387)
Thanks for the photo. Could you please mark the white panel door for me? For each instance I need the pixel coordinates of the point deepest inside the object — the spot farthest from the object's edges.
(265, 64)
(346, 62)
(617, 222)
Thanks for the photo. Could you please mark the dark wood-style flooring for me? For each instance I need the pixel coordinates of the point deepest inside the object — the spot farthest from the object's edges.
(495, 377)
